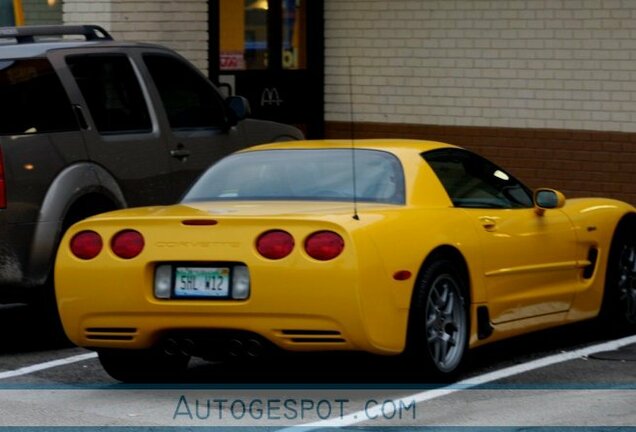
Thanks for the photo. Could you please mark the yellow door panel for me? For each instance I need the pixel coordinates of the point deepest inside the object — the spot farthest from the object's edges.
(529, 261)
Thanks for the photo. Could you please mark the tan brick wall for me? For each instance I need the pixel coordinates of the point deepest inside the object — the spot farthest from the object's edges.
(181, 25)
(558, 64)
(579, 163)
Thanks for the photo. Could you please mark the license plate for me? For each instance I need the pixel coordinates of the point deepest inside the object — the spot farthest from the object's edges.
(202, 282)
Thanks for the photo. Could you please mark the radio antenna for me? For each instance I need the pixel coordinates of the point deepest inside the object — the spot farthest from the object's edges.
(352, 139)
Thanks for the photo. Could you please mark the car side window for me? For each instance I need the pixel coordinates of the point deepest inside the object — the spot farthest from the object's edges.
(474, 182)
(33, 99)
(112, 92)
(189, 99)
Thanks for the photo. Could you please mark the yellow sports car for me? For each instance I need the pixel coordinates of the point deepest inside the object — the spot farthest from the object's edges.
(384, 246)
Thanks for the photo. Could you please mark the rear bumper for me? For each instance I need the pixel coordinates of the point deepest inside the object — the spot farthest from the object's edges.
(305, 309)
(145, 330)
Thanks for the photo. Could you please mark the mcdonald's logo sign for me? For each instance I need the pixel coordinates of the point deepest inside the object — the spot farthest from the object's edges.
(270, 96)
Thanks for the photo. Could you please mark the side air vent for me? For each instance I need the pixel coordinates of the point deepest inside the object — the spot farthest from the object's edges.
(110, 333)
(592, 257)
(317, 340)
(484, 328)
(302, 336)
(311, 332)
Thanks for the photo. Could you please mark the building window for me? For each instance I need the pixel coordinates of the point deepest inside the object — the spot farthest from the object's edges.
(30, 12)
(249, 28)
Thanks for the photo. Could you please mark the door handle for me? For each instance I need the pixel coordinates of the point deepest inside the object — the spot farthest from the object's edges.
(489, 224)
(180, 153)
(79, 115)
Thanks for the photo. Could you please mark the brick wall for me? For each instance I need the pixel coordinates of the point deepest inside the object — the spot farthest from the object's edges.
(559, 64)
(181, 25)
(547, 88)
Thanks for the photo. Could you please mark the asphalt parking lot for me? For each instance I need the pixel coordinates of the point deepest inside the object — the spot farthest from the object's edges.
(588, 383)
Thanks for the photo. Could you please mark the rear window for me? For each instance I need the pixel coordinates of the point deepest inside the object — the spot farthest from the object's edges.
(32, 99)
(311, 175)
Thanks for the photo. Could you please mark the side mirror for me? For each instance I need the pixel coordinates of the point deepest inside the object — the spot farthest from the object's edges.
(545, 199)
(239, 109)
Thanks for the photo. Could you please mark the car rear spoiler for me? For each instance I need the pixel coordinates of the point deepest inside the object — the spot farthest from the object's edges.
(27, 34)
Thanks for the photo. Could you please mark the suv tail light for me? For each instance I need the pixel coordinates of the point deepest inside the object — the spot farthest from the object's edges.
(275, 244)
(3, 186)
(127, 244)
(86, 245)
(324, 245)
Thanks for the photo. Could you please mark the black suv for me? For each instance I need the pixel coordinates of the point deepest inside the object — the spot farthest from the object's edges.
(87, 125)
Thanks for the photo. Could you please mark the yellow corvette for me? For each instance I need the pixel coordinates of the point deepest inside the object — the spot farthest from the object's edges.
(388, 247)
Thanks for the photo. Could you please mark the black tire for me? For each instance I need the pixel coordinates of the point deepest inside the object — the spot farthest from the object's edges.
(47, 314)
(618, 311)
(142, 366)
(439, 322)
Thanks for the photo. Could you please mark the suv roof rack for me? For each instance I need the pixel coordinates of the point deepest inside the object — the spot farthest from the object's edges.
(27, 34)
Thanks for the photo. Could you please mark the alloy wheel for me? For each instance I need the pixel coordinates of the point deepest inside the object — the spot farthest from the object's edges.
(627, 283)
(445, 323)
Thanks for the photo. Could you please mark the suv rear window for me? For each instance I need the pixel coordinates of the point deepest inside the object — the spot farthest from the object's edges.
(32, 99)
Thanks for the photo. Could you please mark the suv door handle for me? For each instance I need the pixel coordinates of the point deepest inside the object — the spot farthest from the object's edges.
(180, 153)
(81, 119)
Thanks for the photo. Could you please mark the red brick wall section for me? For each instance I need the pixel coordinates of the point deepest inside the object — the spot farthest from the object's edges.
(578, 163)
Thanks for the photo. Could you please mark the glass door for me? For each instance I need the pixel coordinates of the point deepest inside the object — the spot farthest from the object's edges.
(271, 52)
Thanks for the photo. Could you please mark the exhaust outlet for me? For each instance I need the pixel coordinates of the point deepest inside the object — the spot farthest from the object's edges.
(235, 348)
(171, 347)
(253, 348)
(187, 347)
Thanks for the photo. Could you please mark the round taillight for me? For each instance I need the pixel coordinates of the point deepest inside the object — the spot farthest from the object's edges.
(324, 245)
(127, 244)
(275, 244)
(86, 245)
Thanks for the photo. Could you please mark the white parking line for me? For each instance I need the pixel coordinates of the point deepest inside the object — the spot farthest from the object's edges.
(361, 416)
(47, 365)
